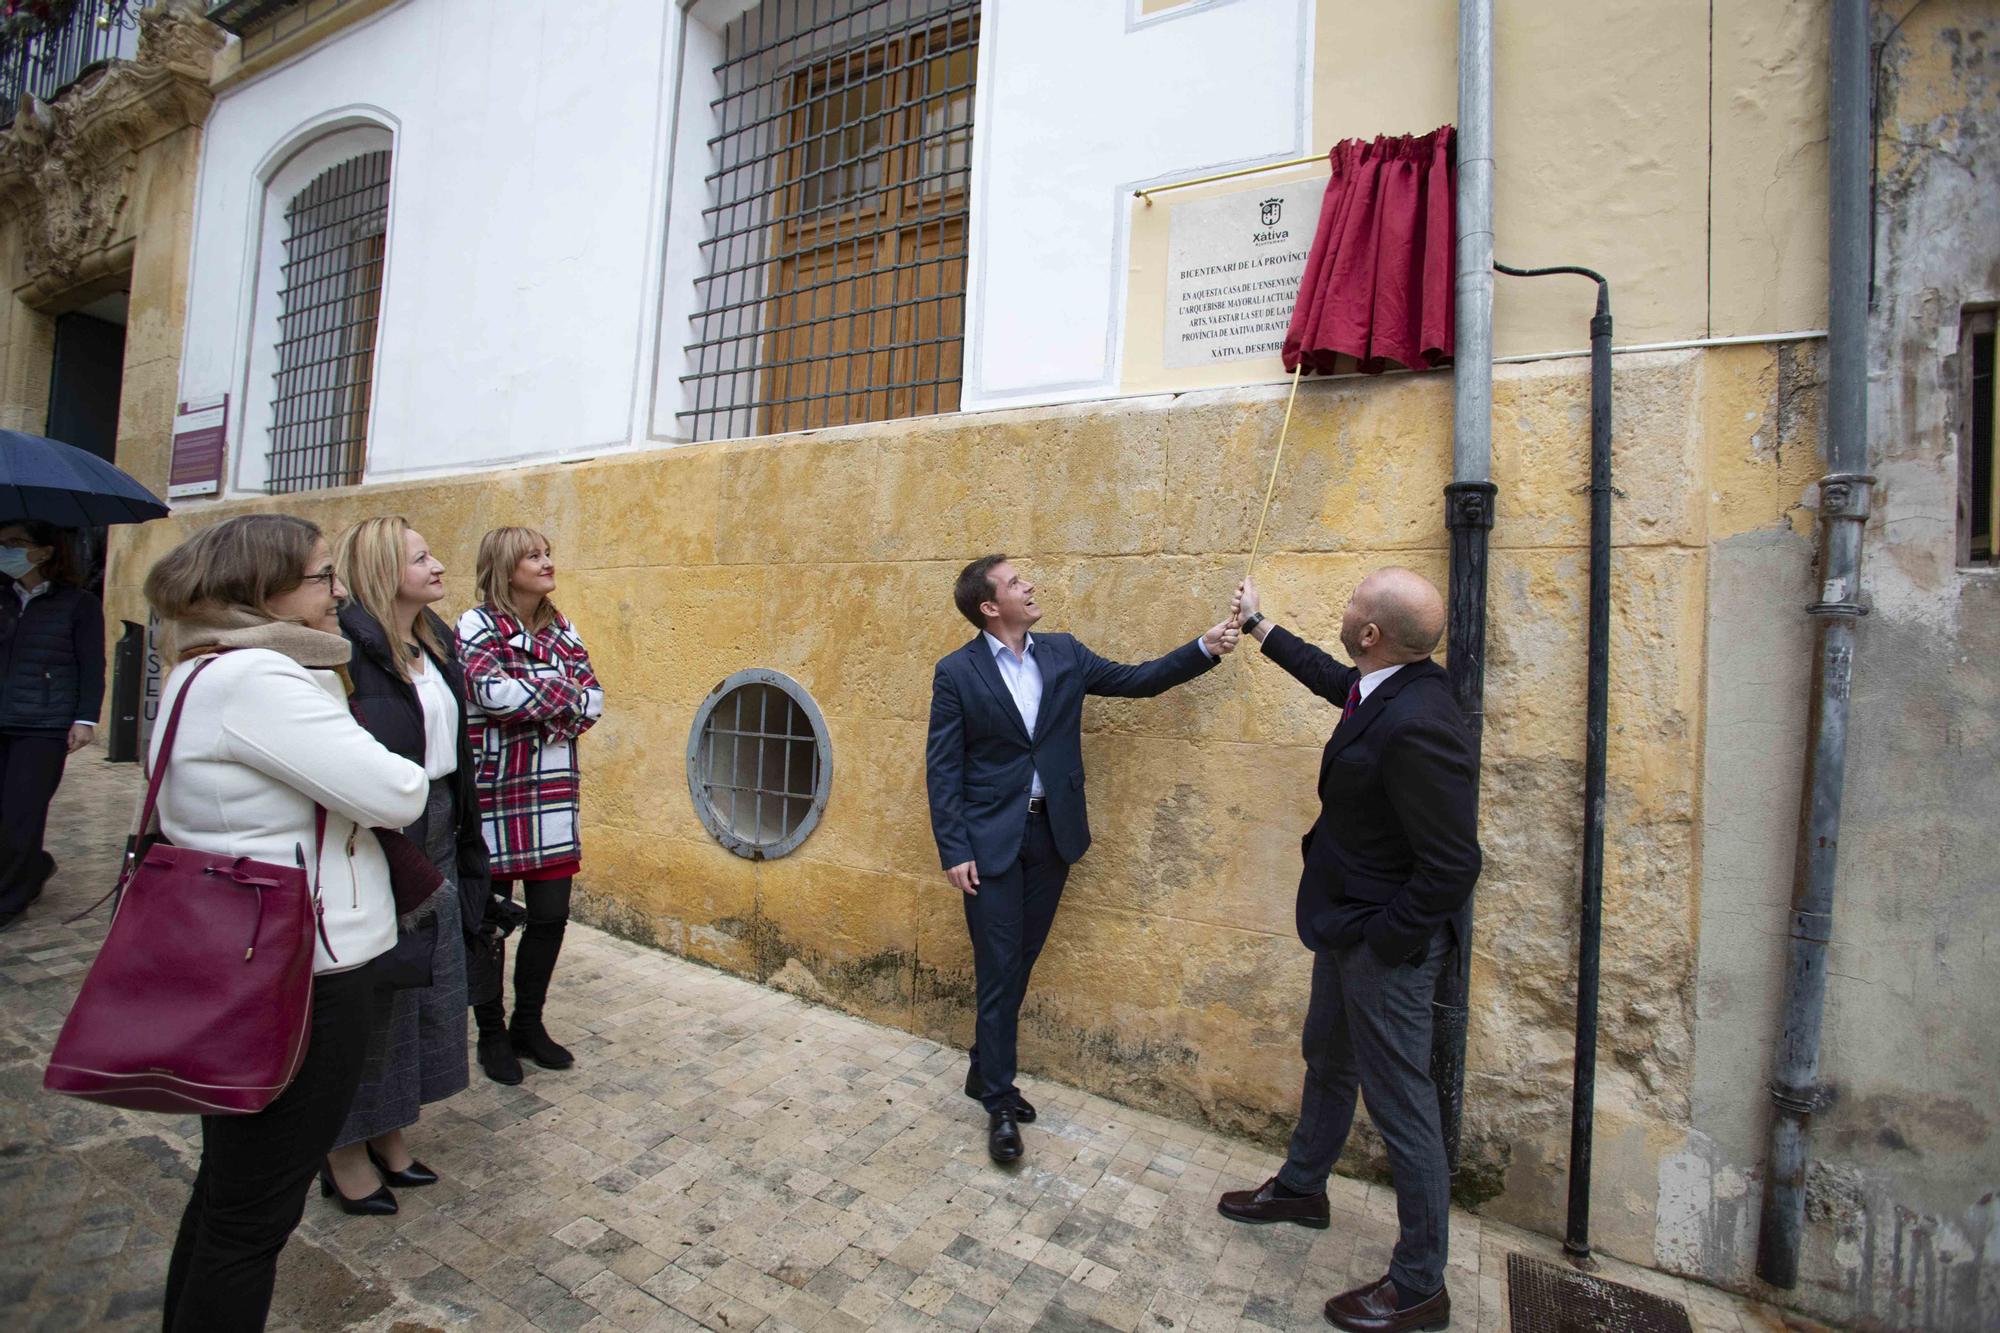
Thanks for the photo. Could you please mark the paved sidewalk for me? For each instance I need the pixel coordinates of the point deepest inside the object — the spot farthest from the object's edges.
(723, 1156)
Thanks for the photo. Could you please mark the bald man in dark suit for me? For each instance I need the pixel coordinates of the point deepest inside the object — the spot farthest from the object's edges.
(1389, 867)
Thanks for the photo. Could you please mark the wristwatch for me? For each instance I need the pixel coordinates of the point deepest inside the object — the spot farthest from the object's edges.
(1252, 623)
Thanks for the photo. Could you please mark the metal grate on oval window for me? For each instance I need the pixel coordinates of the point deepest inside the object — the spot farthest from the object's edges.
(760, 766)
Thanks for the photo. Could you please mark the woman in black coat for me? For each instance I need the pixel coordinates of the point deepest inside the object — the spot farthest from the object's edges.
(51, 687)
(409, 693)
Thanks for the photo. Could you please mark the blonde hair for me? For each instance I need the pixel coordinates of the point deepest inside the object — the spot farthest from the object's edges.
(369, 558)
(499, 552)
(239, 565)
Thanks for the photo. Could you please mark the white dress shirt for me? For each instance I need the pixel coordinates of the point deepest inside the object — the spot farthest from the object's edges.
(1374, 678)
(441, 718)
(1023, 676)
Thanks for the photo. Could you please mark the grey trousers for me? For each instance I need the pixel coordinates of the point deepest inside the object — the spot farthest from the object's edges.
(1368, 1029)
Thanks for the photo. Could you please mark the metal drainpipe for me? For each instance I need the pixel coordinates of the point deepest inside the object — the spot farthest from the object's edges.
(1843, 515)
(1469, 497)
(1596, 762)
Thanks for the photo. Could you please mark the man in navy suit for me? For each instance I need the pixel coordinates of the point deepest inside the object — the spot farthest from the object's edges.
(1005, 768)
(1389, 869)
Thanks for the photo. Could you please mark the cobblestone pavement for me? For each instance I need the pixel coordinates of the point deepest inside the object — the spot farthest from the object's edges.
(723, 1155)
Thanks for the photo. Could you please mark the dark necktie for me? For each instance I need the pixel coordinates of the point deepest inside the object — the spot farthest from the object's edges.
(1353, 700)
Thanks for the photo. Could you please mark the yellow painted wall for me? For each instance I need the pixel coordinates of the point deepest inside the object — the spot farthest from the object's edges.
(1173, 977)
(1682, 159)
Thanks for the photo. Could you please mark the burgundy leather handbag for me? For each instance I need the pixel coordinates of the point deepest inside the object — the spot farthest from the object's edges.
(200, 999)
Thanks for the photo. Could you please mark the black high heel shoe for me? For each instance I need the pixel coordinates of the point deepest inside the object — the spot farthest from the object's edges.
(414, 1175)
(379, 1204)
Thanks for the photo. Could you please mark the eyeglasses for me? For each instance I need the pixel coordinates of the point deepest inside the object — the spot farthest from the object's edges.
(326, 576)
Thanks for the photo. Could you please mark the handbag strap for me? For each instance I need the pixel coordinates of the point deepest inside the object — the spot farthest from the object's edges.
(158, 767)
(157, 775)
(158, 771)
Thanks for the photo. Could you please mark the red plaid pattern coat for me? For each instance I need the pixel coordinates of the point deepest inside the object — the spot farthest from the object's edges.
(531, 697)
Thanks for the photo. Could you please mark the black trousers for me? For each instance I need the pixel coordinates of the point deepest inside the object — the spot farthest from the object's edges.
(1368, 1031)
(535, 956)
(31, 767)
(251, 1188)
(1009, 919)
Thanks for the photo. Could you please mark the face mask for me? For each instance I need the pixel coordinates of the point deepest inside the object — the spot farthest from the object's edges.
(14, 562)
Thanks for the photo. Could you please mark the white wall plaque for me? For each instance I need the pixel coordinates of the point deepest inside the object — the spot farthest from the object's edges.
(1233, 269)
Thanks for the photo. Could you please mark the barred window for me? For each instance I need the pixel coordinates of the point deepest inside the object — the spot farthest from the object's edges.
(834, 265)
(760, 765)
(329, 302)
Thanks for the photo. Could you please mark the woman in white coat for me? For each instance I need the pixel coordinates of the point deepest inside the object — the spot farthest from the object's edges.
(265, 740)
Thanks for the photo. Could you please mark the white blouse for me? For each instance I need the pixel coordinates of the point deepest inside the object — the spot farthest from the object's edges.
(441, 718)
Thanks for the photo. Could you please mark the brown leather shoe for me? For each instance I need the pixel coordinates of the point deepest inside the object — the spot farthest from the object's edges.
(1267, 1204)
(1371, 1308)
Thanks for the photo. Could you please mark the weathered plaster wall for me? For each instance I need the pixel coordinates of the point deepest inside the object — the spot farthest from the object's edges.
(1688, 167)
(1901, 1221)
(1174, 978)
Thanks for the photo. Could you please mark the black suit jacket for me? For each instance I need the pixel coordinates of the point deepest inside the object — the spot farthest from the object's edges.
(1394, 854)
(980, 761)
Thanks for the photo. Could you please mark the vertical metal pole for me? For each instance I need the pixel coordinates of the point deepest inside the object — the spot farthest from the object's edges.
(1583, 1088)
(1469, 498)
(1844, 501)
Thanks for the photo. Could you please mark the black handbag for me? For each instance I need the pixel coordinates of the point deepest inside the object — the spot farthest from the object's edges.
(486, 948)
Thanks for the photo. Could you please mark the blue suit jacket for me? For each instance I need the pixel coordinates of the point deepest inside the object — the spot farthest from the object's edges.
(981, 761)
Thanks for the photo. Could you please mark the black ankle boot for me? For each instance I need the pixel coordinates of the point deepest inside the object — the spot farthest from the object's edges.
(496, 1057)
(531, 1039)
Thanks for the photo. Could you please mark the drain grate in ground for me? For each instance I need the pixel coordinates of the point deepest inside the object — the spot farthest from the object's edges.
(1548, 1298)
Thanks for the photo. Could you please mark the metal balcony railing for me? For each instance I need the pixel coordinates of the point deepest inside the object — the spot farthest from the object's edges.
(46, 45)
(265, 24)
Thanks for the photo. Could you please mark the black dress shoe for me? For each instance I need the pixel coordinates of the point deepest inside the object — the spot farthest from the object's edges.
(533, 1040)
(379, 1204)
(413, 1176)
(1003, 1137)
(1024, 1111)
(497, 1058)
(1371, 1308)
(1269, 1203)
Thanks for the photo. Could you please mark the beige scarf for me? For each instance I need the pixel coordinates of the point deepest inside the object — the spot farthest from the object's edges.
(239, 627)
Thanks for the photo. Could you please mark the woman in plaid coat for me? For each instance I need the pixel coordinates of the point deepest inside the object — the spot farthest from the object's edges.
(532, 695)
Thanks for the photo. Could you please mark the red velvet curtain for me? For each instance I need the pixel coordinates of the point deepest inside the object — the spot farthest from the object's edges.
(1377, 285)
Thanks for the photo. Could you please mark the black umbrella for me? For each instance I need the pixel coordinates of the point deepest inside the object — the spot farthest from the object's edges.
(58, 483)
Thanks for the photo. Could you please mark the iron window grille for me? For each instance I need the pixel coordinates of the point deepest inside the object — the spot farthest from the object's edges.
(330, 301)
(834, 265)
(760, 767)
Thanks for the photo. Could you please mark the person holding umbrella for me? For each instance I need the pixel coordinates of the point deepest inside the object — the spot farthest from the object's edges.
(51, 687)
(51, 637)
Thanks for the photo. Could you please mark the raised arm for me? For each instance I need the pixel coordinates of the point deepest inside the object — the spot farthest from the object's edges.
(1143, 680)
(1427, 770)
(1312, 667)
(500, 689)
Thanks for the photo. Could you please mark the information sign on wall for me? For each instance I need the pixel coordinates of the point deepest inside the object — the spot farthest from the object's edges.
(1233, 269)
(201, 428)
